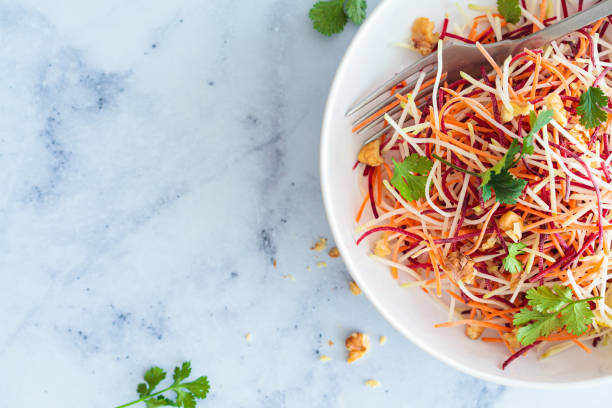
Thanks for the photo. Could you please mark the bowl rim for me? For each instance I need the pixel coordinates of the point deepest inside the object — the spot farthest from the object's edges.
(352, 267)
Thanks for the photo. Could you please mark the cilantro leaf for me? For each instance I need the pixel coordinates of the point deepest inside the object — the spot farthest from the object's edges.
(186, 392)
(589, 108)
(543, 325)
(356, 10)
(328, 17)
(507, 187)
(410, 186)
(510, 10)
(552, 309)
(199, 387)
(511, 264)
(548, 300)
(181, 373)
(577, 316)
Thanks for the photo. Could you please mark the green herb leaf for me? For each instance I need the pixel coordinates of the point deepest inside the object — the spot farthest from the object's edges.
(181, 373)
(410, 186)
(507, 187)
(552, 309)
(328, 17)
(356, 10)
(186, 392)
(589, 108)
(199, 387)
(549, 300)
(511, 264)
(510, 10)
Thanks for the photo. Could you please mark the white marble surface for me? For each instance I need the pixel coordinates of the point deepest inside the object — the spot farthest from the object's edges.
(156, 157)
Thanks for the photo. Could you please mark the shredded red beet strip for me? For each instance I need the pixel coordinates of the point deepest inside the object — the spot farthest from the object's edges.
(445, 189)
(564, 7)
(522, 54)
(496, 113)
(444, 27)
(460, 38)
(600, 76)
(504, 301)
(460, 222)
(591, 47)
(519, 353)
(500, 237)
(597, 192)
(371, 191)
(565, 260)
(460, 237)
(393, 229)
(580, 2)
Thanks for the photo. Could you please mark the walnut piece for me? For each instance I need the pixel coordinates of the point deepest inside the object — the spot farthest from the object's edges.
(580, 133)
(512, 224)
(518, 108)
(370, 154)
(423, 37)
(461, 266)
(511, 339)
(553, 102)
(489, 242)
(354, 288)
(381, 248)
(357, 345)
(473, 332)
(320, 245)
(333, 253)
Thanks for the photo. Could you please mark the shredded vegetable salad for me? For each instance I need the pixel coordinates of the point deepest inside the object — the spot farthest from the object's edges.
(493, 194)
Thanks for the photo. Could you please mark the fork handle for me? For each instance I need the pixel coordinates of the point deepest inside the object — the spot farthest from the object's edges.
(566, 26)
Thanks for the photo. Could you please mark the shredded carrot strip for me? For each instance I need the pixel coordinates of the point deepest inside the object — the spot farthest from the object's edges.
(473, 323)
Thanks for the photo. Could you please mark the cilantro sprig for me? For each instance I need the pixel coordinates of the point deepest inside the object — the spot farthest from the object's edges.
(511, 264)
(590, 107)
(186, 392)
(409, 185)
(498, 178)
(329, 17)
(552, 309)
(510, 10)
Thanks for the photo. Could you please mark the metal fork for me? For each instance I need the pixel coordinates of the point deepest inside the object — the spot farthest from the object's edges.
(457, 57)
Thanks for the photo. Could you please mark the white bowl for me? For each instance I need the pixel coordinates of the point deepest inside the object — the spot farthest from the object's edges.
(370, 59)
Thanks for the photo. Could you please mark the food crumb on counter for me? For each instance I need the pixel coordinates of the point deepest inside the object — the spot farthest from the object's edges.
(334, 253)
(354, 288)
(330, 343)
(357, 344)
(248, 337)
(321, 264)
(288, 276)
(320, 245)
(323, 358)
(382, 340)
(308, 268)
(274, 263)
(373, 383)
